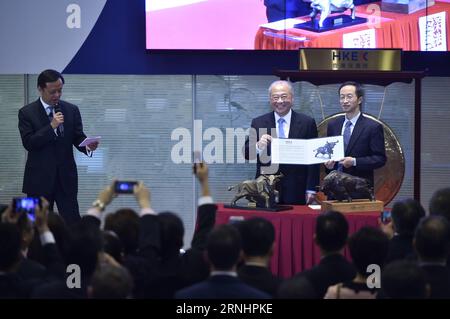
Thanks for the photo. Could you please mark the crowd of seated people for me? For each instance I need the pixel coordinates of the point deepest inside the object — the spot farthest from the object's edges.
(138, 254)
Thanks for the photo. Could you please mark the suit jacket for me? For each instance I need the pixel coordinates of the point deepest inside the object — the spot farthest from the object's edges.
(439, 279)
(11, 287)
(366, 145)
(49, 154)
(331, 270)
(221, 287)
(260, 278)
(30, 269)
(400, 247)
(297, 178)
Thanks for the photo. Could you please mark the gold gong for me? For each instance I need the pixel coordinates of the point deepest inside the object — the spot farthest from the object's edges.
(389, 178)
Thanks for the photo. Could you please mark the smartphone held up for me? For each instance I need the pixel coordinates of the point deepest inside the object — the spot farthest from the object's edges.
(124, 187)
(26, 205)
(386, 217)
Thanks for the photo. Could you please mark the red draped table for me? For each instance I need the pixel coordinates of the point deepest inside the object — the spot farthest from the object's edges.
(295, 250)
(394, 30)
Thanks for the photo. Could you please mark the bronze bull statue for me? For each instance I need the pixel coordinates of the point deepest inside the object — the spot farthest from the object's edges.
(327, 149)
(327, 7)
(260, 191)
(341, 186)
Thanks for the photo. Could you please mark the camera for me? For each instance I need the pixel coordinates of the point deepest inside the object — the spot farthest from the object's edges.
(124, 187)
(26, 205)
(385, 217)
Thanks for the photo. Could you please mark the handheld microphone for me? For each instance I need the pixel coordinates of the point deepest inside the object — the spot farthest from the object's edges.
(57, 109)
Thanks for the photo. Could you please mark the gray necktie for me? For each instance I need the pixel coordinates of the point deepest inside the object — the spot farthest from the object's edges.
(347, 134)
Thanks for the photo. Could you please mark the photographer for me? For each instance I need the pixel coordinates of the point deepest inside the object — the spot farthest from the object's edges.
(153, 241)
(20, 274)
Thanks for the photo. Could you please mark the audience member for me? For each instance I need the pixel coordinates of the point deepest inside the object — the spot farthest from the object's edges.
(440, 203)
(403, 279)
(258, 236)
(113, 246)
(368, 246)
(405, 218)
(111, 282)
(331, 236)
(431, 242)
(298, 287)
(223, 251)
(10, 284)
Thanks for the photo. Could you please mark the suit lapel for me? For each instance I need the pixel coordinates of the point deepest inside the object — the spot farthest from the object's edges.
(269, 122)
(357, 131)
(296, 126)
(338, 125)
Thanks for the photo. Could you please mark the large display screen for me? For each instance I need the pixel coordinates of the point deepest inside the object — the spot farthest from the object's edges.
(414, 25)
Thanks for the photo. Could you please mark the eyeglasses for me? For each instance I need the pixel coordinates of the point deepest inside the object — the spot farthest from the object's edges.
(283, 97)
(348, 97)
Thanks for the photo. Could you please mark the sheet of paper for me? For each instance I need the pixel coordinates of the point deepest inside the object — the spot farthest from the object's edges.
(89, 140)
(282, 24)
(312, 151)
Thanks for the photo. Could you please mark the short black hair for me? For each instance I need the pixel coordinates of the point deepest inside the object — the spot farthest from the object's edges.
(406, 215)
(48, 76)
(358, 88)
(258, 235)
(224, 247)
(331, 231)
(112, 245)
(368, 246)
(172, 233)
(111, 282)
(440, 203)
(85, 242)
(432, 238)
(125, 223)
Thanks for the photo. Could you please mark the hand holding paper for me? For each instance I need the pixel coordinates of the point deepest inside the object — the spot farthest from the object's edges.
(91, 142)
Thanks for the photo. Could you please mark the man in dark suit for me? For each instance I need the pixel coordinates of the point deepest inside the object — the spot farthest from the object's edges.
(363, 137)
(406, 215)
(223, 252)
(331, 235)
(431, 241)
(258, 237)
(440, 203)
(49, 127)
(283, 9)
(299, 182)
